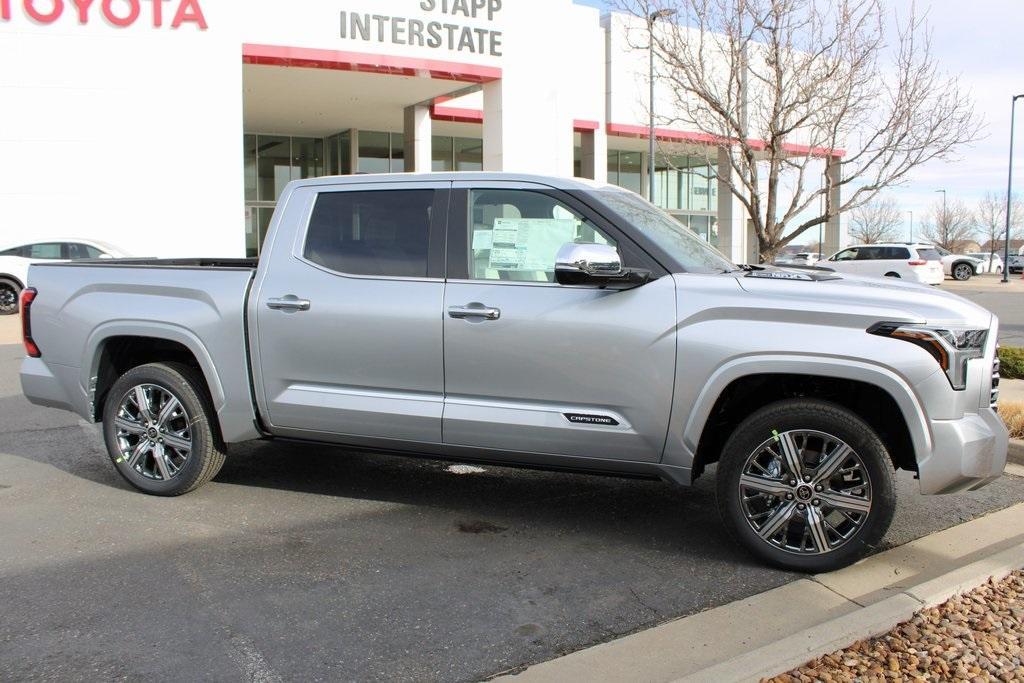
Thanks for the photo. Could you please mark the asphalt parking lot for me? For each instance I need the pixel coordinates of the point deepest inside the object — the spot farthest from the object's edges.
(317, 563)
(1005, 300)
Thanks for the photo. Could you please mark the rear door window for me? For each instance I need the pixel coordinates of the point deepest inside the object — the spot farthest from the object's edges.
(76, 250)
(869, 253)
(376, 232)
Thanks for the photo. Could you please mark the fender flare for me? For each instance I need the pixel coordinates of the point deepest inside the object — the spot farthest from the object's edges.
(820, 366)
(156, 330)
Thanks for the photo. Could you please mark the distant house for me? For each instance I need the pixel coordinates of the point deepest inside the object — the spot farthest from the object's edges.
(989, 246)
(967, 247)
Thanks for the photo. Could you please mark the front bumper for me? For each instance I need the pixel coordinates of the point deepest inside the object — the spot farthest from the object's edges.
(967, 454)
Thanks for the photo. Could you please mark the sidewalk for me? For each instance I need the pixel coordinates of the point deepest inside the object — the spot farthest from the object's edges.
(786, 627)
(10, 329)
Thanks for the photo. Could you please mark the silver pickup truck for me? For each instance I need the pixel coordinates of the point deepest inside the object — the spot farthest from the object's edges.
(538, 322)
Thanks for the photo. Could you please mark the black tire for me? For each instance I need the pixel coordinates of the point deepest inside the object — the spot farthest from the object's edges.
(807, 414)
(895, 275)
(10, 293)
(207, 453)
(962, 271)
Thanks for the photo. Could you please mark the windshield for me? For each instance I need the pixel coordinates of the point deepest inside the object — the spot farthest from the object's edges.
(690, 251)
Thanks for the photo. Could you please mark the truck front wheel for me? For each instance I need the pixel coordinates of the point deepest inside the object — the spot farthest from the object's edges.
(806, 485)
(158, 424)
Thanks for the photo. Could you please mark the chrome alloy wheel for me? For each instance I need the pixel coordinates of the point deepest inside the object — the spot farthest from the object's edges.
(8, 299)
(805, 492)
(153, 431)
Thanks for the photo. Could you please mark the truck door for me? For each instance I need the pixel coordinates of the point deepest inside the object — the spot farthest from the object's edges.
(349, 313)
(531, 365)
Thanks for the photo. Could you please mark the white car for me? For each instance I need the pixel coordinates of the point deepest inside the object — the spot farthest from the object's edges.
(991, 263)
(914, 262)
(959, 266)
(804, 258)
(16, 258)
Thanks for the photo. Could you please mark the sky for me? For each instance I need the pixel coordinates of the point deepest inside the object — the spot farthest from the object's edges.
(982, 44)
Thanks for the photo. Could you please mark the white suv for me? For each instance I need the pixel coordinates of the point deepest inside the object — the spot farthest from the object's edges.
(915, 262)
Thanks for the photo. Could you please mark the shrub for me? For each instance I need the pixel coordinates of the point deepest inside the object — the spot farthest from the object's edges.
(1011, 362)
(1012, 413)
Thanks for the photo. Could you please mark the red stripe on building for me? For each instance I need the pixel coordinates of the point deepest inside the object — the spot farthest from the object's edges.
(672, 135)
(338, 60)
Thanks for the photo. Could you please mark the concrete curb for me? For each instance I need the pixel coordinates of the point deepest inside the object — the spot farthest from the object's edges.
(793, 651)
(1015, 453)
(781, 629)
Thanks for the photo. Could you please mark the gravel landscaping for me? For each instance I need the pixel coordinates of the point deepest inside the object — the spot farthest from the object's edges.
(973, 637)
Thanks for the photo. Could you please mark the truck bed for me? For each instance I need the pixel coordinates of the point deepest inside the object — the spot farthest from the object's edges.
(197, 303)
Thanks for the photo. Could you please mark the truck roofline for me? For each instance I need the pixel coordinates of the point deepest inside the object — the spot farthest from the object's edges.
(556, 182)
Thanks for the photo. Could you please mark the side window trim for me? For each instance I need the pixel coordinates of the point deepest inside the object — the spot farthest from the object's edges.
(437, 230)
(457, 261)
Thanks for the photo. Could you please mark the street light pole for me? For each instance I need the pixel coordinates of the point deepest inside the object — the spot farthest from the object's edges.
(651, 18)
(1009, 190)
(911, 225)
(945, 223)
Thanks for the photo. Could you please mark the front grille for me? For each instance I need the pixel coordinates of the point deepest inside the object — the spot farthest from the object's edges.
(994, 398)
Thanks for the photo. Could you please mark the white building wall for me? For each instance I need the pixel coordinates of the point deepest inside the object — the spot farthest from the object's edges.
(130, 135)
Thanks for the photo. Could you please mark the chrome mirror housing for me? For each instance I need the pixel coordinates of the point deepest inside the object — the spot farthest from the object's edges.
(593, 260)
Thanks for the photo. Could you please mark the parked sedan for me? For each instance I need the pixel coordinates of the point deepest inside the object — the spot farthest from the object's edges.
(1016, 264)
(15, 260)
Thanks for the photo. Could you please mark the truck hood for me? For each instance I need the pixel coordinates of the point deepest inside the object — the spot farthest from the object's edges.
(880, 299)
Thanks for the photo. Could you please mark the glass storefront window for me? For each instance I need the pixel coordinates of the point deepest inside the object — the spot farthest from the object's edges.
(630, 170)
(442, 154)
(257, 222)
(249, 166)
(397, 153)
(339, 150)
(469, 154)
(273, 166)
(307, 158)
(374, 152)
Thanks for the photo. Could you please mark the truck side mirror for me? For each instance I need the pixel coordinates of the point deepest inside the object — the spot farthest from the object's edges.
(594, 264)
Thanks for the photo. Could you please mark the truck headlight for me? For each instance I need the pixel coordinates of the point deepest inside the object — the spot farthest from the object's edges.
(950, 347)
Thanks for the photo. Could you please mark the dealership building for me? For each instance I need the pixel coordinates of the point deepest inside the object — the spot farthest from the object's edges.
(170, 127)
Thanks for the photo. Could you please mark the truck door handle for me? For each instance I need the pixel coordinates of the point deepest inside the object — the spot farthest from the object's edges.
(288, 303)
(474, 310)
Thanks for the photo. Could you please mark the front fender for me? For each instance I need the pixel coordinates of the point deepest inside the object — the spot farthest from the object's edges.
(687, 422)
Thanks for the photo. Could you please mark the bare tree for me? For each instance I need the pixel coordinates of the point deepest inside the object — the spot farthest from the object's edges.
(991, 214)
(949, 226)
(876, 221)
(778, 86)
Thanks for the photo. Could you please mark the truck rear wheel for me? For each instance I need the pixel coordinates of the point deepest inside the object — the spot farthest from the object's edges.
(158, 424)
(806, 485)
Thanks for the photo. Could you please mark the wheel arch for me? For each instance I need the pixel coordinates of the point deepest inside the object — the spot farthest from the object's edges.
(974, 266)
(877, 395)
(13, 278)
(114, 349)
